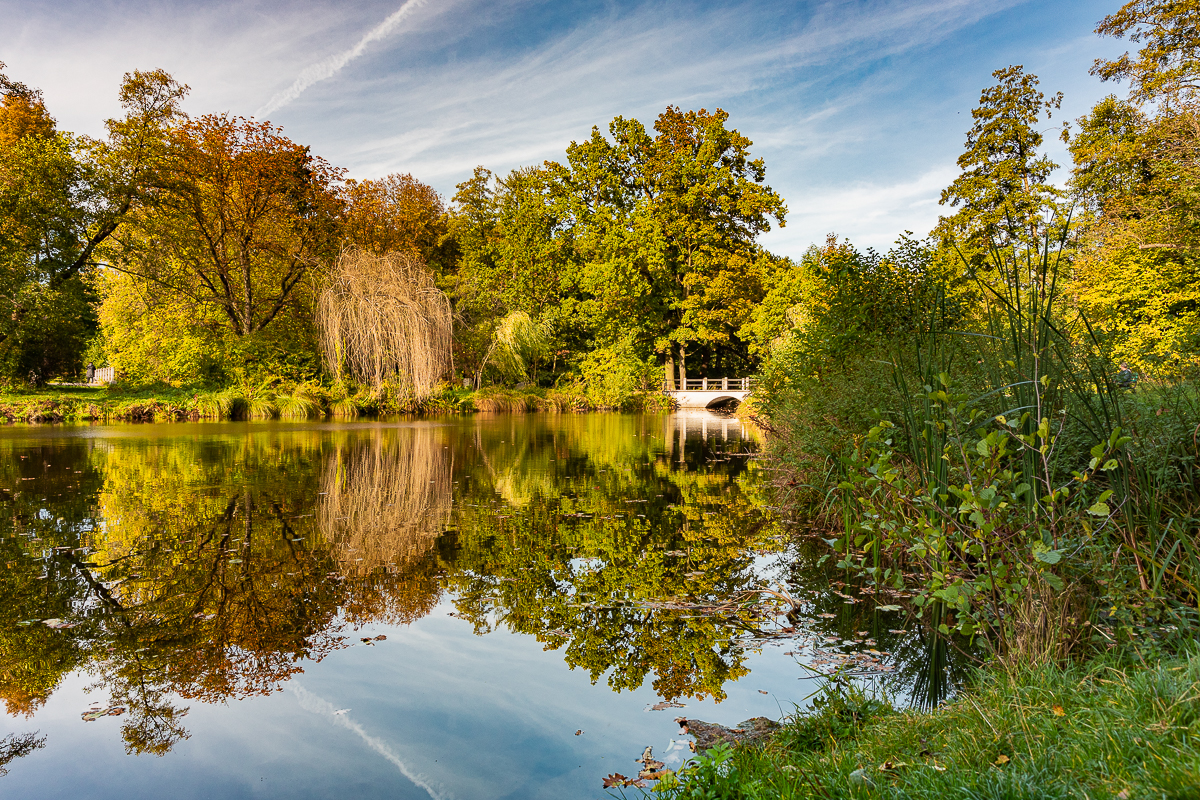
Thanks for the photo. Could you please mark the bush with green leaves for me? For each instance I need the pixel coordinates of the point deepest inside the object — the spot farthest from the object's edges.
(974, 529)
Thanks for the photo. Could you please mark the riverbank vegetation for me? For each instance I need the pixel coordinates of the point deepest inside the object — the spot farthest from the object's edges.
(274, 399)
(1105, 728)
(995, 431)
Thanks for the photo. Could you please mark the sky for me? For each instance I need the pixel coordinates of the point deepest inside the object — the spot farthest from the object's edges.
(859, 108)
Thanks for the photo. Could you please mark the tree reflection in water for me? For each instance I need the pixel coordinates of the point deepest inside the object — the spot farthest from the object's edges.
(212, 564)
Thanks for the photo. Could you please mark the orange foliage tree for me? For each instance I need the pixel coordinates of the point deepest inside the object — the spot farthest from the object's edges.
(244, 216)
(397, 213)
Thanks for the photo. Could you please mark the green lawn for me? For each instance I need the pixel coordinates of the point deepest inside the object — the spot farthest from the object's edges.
(1098, 730)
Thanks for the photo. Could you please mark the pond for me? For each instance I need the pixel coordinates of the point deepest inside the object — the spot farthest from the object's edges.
(471, 607)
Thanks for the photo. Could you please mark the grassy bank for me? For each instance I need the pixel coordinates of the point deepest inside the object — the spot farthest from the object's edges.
(1104, 729)
(302, 401)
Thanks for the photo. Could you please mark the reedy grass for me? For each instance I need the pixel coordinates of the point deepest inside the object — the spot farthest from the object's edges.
(301, 403)
(273, 398)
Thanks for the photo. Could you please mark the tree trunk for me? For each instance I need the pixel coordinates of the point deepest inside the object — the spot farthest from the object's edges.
(669, 369)
(682, 369)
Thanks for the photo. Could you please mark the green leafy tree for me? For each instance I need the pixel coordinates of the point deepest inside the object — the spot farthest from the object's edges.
(665, 228)
(1004, 190)
(1136, 173)
(1167, 67)
(516, 258)
(61, 197)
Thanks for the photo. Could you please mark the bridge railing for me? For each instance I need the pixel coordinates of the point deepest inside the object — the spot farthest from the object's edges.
(711, 385)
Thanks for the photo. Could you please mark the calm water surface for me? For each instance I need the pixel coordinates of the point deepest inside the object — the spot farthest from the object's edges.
(481, 607)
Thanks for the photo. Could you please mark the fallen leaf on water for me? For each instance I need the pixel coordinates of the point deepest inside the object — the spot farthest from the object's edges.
(888, 608)
(57, 623)
(368, 640)
(665, 704)
(341, 712)
(579, 733)
(96, 713)
(1002, 759)
(617, 779)
(1058, 711)
(827, 616)
(648, 762)
(760, 691)
(654, 775)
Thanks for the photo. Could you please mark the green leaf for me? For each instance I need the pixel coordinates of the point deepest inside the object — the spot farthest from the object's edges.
(1099, 510)
(888, 608)
(1048, 556)
(1055, 582)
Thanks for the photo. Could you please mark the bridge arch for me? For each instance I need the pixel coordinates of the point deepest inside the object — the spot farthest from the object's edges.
(721, 400)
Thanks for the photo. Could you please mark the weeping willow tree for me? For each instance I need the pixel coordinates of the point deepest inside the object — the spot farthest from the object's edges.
(385, 501)
(517, 345)
(381, 319)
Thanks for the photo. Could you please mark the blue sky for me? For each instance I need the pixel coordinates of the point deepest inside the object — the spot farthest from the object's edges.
(858, 108)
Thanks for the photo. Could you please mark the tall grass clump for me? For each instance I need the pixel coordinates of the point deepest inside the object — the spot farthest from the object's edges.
(383, 320)
(303, 402)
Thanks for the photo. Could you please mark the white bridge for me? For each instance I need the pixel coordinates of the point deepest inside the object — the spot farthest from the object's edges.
(709, 392)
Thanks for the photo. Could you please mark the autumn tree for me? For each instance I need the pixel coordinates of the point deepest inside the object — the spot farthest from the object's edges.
(395, 214)
(245, 216)
(244, 222)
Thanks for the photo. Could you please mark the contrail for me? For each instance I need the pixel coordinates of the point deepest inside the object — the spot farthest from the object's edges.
(332, 65)
(319, 705)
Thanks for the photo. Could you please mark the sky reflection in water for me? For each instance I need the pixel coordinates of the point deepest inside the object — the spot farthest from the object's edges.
(219, 581)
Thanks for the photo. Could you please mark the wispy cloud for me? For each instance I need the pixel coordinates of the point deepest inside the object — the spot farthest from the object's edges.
(856, 105)
(319, 705)
(323, 70)
(869, 214)
(509, 107)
